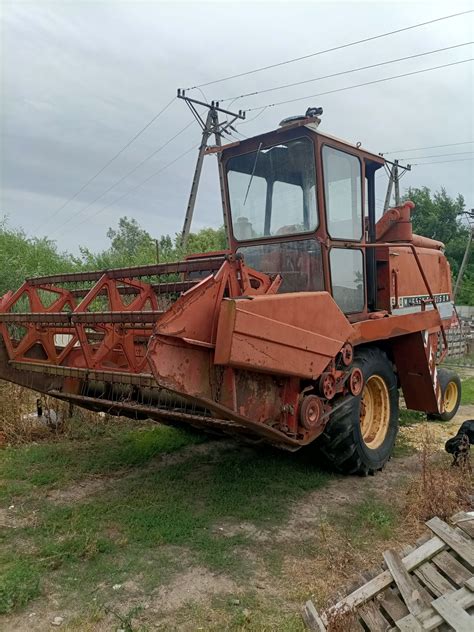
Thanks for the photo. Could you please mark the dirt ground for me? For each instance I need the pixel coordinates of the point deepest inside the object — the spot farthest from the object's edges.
(331, 537)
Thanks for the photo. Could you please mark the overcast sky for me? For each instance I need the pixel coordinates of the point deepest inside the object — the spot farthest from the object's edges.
(80, 78)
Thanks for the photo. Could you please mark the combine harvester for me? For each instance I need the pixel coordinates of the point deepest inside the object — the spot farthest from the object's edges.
(301, 333)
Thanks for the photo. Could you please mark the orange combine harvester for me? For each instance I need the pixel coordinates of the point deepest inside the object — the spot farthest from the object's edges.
(303, 332)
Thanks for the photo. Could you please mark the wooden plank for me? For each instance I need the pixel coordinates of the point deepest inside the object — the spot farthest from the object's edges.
(430, 619)
(407, 587)
(470, 584)
(357, 626)
(463, 534)
(373, 618)
(392, 604)
(433, 579)
(377, 584)
(424, 594)
(465, 521)
(453, 614)
(312, 619)
(464, 549)
(452, 568)
(409, 624)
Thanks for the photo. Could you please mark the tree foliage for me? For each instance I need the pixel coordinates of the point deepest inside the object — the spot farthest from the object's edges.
(439, 216)
(22, 257)
(436, 215)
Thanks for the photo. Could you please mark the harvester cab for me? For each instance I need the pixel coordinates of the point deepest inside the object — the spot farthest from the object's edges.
(295, 202)
(302, 332)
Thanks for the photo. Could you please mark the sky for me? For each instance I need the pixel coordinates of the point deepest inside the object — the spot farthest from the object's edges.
(80, 78)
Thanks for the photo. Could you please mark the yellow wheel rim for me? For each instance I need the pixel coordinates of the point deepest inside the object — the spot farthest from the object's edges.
(374, 412)
(450, 397)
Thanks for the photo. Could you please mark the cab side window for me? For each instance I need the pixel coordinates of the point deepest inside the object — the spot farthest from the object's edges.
(343, 194)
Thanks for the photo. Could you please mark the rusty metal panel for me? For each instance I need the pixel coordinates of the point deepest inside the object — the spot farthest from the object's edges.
(288, 334)
(391, 326)
(417, 377)
(406, 281)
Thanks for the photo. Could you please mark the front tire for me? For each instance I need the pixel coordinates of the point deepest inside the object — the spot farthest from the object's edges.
(360, 435)
(450, 394)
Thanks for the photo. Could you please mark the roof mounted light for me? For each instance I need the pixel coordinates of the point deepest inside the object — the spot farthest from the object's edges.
(310, 117)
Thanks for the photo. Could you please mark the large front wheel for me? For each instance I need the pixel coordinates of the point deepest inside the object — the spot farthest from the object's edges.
(360, 435)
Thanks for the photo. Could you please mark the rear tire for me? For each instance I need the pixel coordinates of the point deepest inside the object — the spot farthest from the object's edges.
(361, 433)
(450, 393)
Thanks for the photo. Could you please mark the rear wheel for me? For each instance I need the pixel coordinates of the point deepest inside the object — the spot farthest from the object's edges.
(360, 435)
(450, 393)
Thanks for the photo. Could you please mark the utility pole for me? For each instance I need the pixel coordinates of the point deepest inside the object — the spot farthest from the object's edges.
(465, 259)
(394, 178)
(210, 126)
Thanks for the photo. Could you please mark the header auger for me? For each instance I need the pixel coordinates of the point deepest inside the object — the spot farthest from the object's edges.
(302, 332)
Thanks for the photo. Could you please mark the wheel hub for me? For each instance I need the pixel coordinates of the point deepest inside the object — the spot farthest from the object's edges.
(450, 397)
(374, 412)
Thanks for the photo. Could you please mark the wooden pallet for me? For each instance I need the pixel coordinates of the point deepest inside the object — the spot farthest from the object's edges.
(431, 588)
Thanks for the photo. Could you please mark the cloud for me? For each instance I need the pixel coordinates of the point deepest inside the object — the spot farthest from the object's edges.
(79, 79)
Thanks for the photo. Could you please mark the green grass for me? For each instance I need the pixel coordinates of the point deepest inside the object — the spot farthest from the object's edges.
(148, 521)
(403, 447)
(59, 463)
(410, 417)
(19, 582)
(467, 391)
(372, 518)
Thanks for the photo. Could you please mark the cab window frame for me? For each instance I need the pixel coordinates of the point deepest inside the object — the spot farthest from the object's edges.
(362, 251)
(358, 240)
(316, 208)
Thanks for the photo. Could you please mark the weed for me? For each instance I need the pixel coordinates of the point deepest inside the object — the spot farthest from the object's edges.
(126, 620)
(85, 546)
(340, 619)
(439, 490)
(19, 582)
(15, 425)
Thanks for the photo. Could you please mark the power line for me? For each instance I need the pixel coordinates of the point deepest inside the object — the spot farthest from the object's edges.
(329, 50)
(400, 151)
(109, 162)
(125, 176)
(440, 162)
(344, 72)
(140, 184)
(461, 153)
(359, 85)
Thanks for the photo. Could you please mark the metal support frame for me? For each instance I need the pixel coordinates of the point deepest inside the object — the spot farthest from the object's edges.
(394, 181)
(210, 126)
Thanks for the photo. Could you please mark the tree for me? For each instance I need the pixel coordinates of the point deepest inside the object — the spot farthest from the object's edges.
(132, 245)
(439, 216)
(22, 257)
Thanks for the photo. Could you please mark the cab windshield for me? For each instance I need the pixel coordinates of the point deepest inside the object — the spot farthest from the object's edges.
(272, 191)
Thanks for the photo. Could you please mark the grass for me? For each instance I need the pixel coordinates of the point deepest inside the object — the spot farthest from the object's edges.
(467, 395)
(146, 520)
(58, 463)
(372, 519)
(146, 516)
(19, 582)
(403, 447)
(410, 417)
